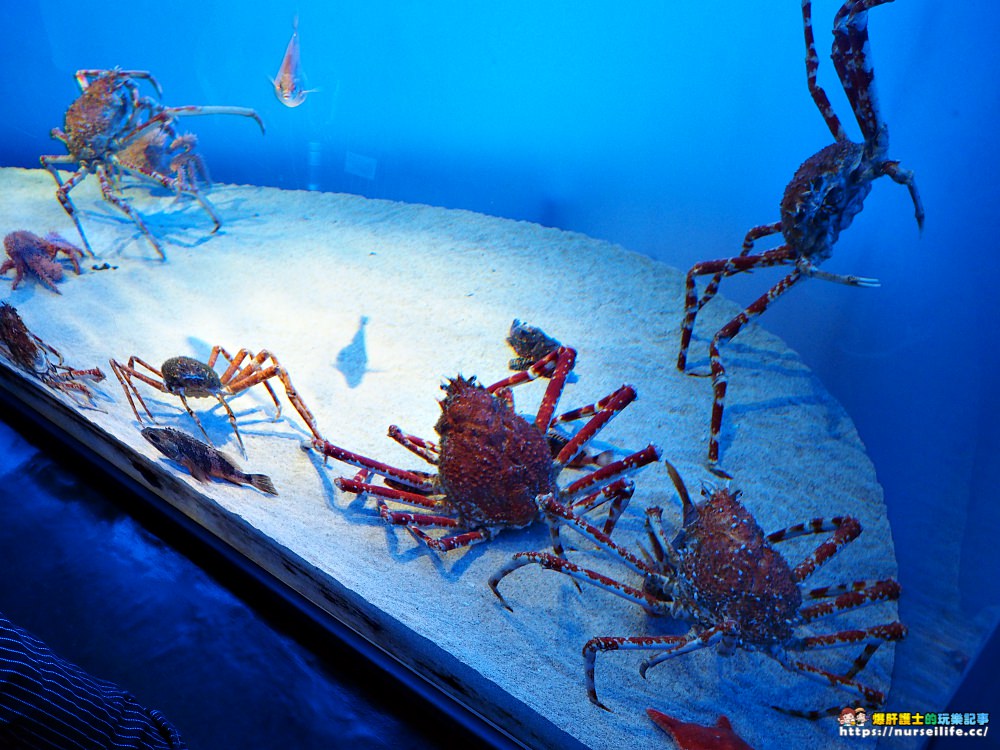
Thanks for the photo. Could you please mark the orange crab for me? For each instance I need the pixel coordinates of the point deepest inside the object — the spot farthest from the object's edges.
(186, 377)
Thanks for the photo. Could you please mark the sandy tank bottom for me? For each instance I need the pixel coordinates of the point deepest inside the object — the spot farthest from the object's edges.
(370, 305)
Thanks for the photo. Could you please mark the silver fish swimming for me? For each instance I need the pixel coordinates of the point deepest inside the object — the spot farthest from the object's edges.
(201, 459)
(288, 83)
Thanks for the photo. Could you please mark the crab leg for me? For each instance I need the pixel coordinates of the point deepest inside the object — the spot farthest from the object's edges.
(664, 553)
(905, 177)
(874, 638)
(125, 373)
(111, 196)
(693, 304)
(550, 400)
(612, 471)
(557, 512)
(50, 349)
(233, 366)
(62, 193)
(412, 479)
(229, 412)
(590, 410)
(67, 386)
(606, 409)
(415, 522)
(678, 644)
(543, 368)
(360, 487)
(506, 395)
(885, 590)
(893, 631)
(235, 374)
(252, 374)
(827, 592)
(845, 530)
(174, 185)
(876, 697)
(83, 77)
(552, 562)
(853, 64)
(448, 543)
(60, 372)
(426, 449)
(167, 114)
(721, 268)
(564, 359)
(812, 65)
(619, 493)
(729, 331)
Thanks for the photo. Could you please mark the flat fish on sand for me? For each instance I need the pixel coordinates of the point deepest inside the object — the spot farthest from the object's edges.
(202, 460)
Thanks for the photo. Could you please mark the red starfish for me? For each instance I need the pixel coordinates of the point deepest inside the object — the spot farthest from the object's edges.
(695, 736)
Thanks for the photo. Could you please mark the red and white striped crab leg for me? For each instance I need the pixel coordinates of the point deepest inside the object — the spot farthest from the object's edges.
(426, 449)
(556, 512)
(556, 366)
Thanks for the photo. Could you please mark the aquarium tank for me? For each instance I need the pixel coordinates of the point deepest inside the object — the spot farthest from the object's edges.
(370, 197)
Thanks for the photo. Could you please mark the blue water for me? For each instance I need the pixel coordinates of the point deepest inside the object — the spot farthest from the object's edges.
(228, 663)
(670, 128)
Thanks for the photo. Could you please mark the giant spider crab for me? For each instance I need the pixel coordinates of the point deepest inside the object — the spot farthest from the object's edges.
(111, 130)
(187, 377)
(822, 199)
(30, 353)
(29, 254)
(721, 574)
(493, 464)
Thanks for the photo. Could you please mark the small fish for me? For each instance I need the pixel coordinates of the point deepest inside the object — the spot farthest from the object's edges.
(288, 83)
(202, 460)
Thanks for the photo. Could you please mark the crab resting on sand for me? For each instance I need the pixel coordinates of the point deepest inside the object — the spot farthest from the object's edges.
(722, 574)
(493, 465)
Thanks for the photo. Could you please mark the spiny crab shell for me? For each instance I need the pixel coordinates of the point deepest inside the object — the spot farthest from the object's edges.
(493, 463)
(816, 207)
(29, 254)
(730, 570)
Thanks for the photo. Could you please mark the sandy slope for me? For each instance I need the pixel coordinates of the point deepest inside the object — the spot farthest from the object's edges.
(295, 272)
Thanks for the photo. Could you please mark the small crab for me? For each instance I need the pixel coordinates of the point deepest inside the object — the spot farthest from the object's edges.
(720, 573)
(529, 343)
(824, 196)
(112, 130)
(30, 353)
(187, 377)
(29, 254)
(493, 464)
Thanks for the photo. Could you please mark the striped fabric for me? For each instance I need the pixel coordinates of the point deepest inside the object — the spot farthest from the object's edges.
(47, 703)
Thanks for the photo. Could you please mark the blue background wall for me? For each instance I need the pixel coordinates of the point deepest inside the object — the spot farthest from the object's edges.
(668, 127)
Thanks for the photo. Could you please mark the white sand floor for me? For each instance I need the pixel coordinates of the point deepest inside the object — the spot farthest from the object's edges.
(295, 272)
